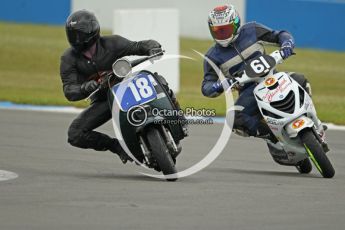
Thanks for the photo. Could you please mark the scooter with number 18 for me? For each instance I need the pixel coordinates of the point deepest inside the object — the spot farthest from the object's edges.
(152, 141)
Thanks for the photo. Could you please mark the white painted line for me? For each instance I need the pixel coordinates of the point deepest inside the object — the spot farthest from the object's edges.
(54, 110)
(43, 109)
(7, 175)
(332, 126)
(74, 110)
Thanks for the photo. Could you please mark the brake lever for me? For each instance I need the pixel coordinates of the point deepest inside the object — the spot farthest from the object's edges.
(151, 58)
(93, 93)
(282, 54)
(233, 84)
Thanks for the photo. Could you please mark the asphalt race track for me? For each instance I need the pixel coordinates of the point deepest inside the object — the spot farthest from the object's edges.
(61, 187)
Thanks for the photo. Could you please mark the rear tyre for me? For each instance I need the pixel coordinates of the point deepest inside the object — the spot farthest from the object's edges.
(160, 152)
(316, 153)
(304, 167)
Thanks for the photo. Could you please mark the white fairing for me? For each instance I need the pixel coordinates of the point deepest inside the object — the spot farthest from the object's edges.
(284, 104)
(274, 94)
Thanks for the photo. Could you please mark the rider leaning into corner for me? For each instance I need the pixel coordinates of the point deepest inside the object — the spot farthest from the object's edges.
(234, 45)
(81, 68)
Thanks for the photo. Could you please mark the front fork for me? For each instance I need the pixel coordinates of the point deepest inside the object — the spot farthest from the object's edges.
(174, 148)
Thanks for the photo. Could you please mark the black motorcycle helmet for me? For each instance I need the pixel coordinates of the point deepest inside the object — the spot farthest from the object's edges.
(82, 30)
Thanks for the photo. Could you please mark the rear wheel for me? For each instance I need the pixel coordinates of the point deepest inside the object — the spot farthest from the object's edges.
(316, 153)
(304, 167)
(160, 152)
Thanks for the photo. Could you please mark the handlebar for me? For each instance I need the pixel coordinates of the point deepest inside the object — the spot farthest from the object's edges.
(141, 60)
(131, 65)
(257, 68)
(103, 84)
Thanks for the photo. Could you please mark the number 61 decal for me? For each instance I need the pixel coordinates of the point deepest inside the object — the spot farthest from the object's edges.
(260, 65)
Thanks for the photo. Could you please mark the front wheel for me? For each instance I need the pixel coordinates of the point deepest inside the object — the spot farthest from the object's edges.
(160, 152)
(316, 153)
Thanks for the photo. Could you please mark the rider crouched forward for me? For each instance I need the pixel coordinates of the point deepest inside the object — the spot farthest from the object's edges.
(81, 68)
(234, 45)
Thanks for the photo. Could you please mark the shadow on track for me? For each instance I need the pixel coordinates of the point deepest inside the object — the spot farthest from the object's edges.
(263, 172)
(114, 176)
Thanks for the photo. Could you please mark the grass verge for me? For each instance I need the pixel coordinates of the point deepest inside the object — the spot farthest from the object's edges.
(30, 56)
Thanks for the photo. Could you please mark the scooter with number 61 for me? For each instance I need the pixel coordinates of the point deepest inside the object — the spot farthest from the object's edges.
(290, 114)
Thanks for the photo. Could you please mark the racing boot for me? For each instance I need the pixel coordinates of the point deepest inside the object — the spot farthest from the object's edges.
(241, 132)
(117, 149)
(265, 132)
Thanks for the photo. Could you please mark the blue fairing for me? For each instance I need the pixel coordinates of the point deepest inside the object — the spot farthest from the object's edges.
(134, 91)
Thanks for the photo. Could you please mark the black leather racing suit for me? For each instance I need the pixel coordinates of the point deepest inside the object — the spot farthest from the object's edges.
(75, 69)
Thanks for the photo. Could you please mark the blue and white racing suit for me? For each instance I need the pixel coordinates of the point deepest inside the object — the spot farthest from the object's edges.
(230, 59)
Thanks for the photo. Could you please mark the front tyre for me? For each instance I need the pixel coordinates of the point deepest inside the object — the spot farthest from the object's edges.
(160, 152)
(316, 153)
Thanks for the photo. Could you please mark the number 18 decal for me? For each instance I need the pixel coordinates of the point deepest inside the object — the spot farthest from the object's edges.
(140, 88)
(137, 90)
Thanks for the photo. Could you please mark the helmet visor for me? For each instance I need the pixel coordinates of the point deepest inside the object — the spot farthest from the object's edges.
(222, 32)
(77, 37)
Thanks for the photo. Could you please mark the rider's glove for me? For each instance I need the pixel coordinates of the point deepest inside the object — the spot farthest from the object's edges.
(155, 51)
(89, 86)
(218, 86)
(286, 49)
(151, 47)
